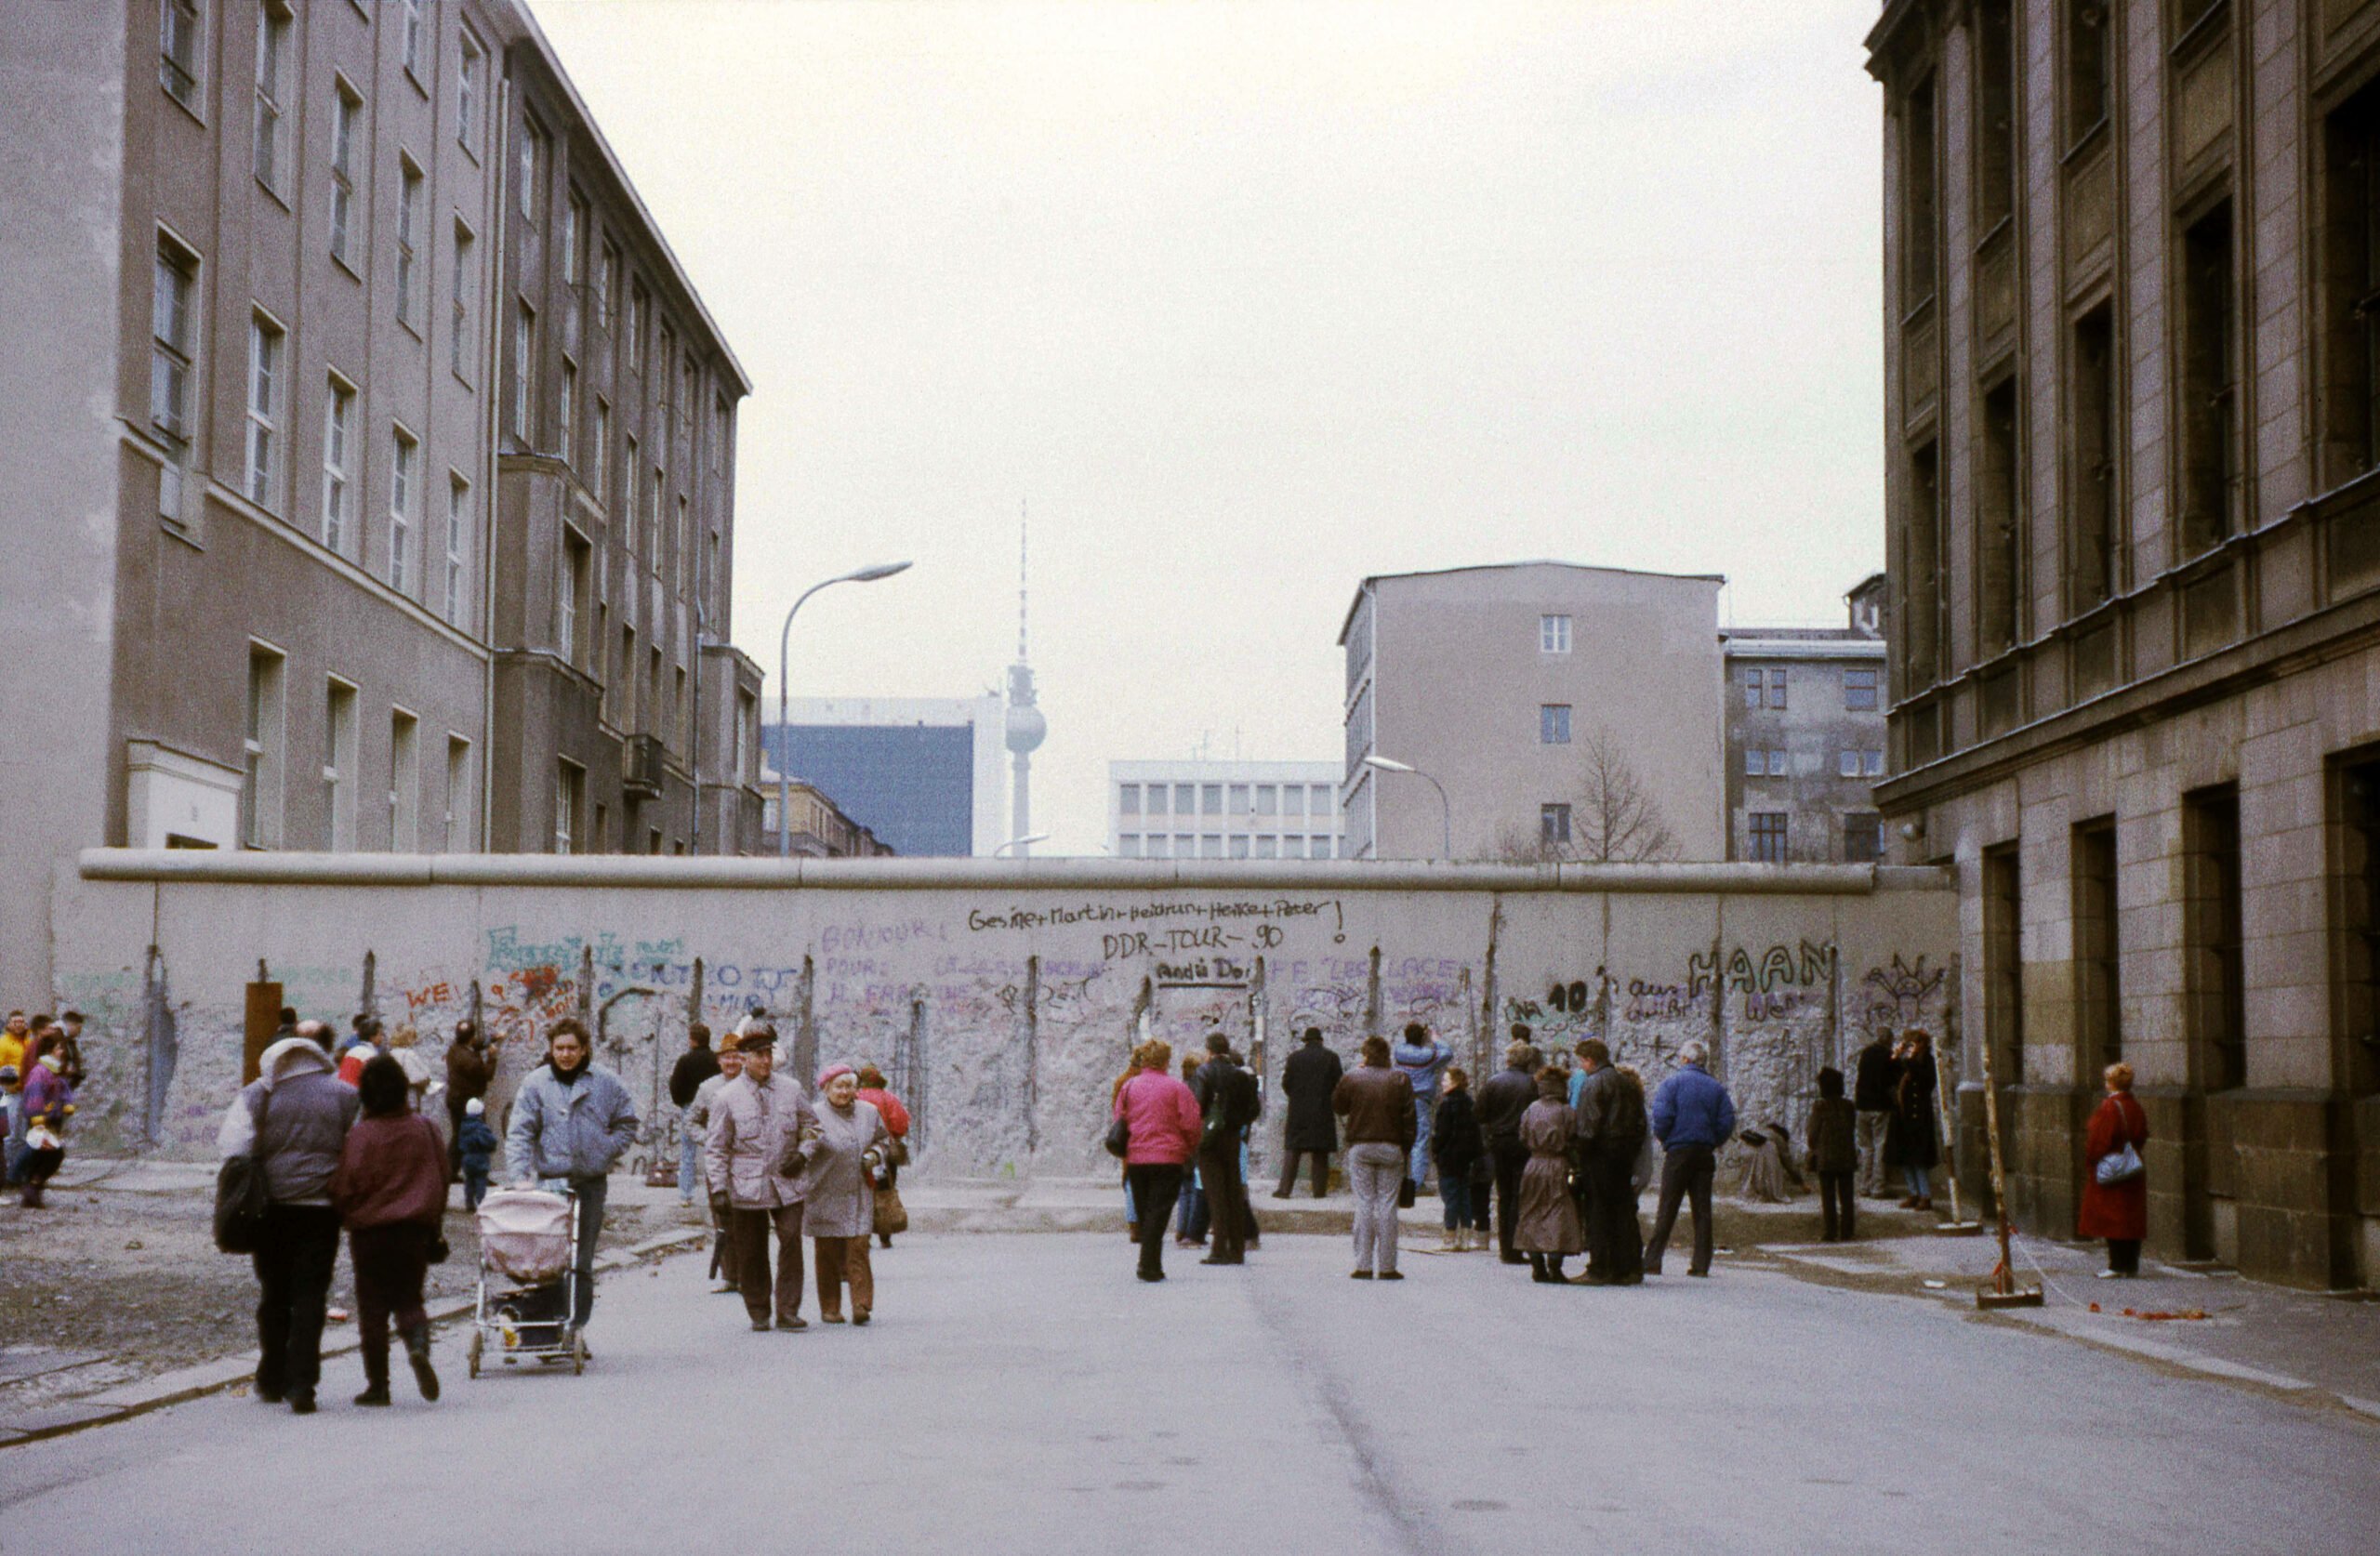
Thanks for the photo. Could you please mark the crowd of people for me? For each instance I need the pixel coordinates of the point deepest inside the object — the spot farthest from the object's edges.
(41, 1067)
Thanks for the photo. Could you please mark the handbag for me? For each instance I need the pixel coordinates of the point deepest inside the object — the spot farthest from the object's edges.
(2122, 1165)
(1407, 1193)
(240, 1196)
(1119, 1136)
(892, 1215)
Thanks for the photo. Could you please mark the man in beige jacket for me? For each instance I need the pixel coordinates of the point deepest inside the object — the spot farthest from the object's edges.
(756, 1122)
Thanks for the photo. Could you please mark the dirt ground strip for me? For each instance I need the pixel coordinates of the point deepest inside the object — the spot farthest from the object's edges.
(100, 1288)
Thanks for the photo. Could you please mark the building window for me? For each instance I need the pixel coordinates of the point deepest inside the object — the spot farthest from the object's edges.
(171, 348)
(566, 593)
(2351, 251)
(458, 539)
(2098, 996)
(1553, 634)
(1128, 846)
(600, 461)
(1767, 833)
(338, 764)
(1321, 802)
(2355, 908)
(1293, 800)
(1185, 846)
(573, 269)
(1211, 800)
(2088, 68)
(1127, 799)
(1239, 845)
(1999, 523)
(2213, 941)
(570, 793)
(2090, 477)
(1873, 764)
(466, 93)
(1236, 802)
(524, 361)
(405, 782)
(1186, 800)
(607, 288)
(260, 789)
(2004, 971)
(272, 66)
(346, 109)
(2210, 407)
(1764, 688)
(339, 432)
(459, 808)
(1268, 847)
(1755, 763)
(178, 51)
(404, 494)
(639, 305)
(1554, 724)
(533, 157)
(1157, 794)
(1848, 765)
(1863, 837)
(634, 475)
(1921, 554)
(743, 735)
(1268, 799)
(459, 346)
(1859, 691)
(566, 411)
(408, 233)
(411, 44)
(264, 407)
(1920, 208)
(1554, 823)
(1995, 110)
(1159, 846)
(1321, 848)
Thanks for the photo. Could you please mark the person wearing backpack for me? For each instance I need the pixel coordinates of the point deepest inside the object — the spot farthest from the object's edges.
(2115, 1186)
(293, 1122)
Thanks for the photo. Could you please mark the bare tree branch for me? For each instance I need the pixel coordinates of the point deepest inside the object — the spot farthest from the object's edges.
(1614, 818)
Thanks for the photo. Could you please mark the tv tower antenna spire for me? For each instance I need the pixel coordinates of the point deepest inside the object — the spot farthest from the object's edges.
(1027, 728)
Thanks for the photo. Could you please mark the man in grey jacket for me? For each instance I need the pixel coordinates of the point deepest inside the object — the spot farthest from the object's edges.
(572, 1120)
(294, 1118)
(756, 1121)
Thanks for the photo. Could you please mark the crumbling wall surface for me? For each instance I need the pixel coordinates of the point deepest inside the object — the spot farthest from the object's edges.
(1001, 999)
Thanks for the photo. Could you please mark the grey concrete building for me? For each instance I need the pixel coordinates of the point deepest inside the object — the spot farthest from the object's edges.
(1805, 737)
(283, 522)
(2132, 370)
(1540, 696)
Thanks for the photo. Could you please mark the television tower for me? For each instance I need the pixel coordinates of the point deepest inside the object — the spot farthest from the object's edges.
(1027, 728)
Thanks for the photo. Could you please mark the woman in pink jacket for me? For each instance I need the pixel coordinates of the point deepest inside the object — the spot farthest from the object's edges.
(1163, 1124)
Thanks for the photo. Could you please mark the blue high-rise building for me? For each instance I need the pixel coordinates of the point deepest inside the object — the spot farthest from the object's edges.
(922, 773)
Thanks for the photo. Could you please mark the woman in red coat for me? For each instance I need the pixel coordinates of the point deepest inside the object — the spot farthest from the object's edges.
(2118, 1212)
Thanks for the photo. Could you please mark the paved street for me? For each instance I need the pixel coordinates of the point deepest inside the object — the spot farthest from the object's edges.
(1023, 1393)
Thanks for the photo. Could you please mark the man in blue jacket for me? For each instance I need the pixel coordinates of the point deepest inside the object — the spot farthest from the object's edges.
(572, 1122)
(1693, 1115)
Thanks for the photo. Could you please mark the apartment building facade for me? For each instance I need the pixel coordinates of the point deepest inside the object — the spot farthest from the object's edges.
(1224, 809)
(2132, 372)
(278, 555)
(1565, 712)
(1805, 737)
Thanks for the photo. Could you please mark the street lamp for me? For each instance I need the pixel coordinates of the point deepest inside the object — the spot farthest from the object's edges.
(1446, 808)
(1020, 843)
(785, 738)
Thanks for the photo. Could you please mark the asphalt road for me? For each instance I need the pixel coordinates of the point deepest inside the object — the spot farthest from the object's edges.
(1025, 1394)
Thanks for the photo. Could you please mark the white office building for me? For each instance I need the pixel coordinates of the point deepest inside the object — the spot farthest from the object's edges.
(1210, 810)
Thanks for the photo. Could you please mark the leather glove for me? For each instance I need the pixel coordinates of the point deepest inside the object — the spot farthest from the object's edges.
(718, 1200)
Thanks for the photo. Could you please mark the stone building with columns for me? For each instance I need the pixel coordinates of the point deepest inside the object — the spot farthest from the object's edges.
(2132, 258)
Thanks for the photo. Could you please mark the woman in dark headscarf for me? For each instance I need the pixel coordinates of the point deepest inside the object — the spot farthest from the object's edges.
(1548, 1232)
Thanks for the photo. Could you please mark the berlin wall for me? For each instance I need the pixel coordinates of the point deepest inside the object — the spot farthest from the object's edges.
(1000, 997)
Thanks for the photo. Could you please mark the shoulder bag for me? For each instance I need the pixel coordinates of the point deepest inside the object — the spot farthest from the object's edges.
(1119, 1128)
(240, 1197)
(2122, 1165)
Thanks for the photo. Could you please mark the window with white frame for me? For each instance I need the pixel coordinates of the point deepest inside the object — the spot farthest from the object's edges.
(532, 158)
(263, 742)
(1767, 831)
(570, 792)
(1755, 762)
(173, 338)
(634, 475)
(265, 339)
(458, 540)
(1554, 724)
(1859, 691)
(572, 580)
(1127, 799)
(405, 782)
(1871, 764)
(178, 50)
(409, 183)
(470, 66)
(404, 494)
(1848, 765)
(1554, 823)
(338, 445)
(525, 368)
(1553, 634)
(566, 412)
(1238, 845)
(460, 797)
(411, 38)
(338, 763)
(1268, 847)
(459, 352)
(1127, 845)
(599, 467)
(607, 287)
(272, 73)
(347, 109)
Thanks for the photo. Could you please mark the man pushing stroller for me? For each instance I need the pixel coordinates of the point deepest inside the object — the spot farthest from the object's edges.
(572, 1120)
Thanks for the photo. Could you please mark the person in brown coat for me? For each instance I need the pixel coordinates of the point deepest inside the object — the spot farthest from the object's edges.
(468, 1070)
(1832, 1139)
(390, 1191)
(1548, 1230)
(1377, 1102)
(2116, 1211)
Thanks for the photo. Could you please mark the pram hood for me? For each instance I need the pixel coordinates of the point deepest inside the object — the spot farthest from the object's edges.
(525, 1233)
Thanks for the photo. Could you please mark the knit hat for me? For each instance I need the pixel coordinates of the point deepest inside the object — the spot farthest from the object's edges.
(474, 1108)
(827, 1076)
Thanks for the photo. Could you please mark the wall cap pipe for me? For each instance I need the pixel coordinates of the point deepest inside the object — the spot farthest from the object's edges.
(207, 867)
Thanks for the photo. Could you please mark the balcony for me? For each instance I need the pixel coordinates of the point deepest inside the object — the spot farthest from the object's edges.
(641, 767)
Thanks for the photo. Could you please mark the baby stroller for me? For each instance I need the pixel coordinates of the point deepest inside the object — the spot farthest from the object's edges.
(528, 1285)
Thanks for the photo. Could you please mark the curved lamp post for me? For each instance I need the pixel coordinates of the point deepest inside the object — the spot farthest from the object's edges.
(785, 738)
(1446, 808)
(1020, 843)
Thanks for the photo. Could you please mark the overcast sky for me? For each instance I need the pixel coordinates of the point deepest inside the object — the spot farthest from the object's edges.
(1249, 301)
